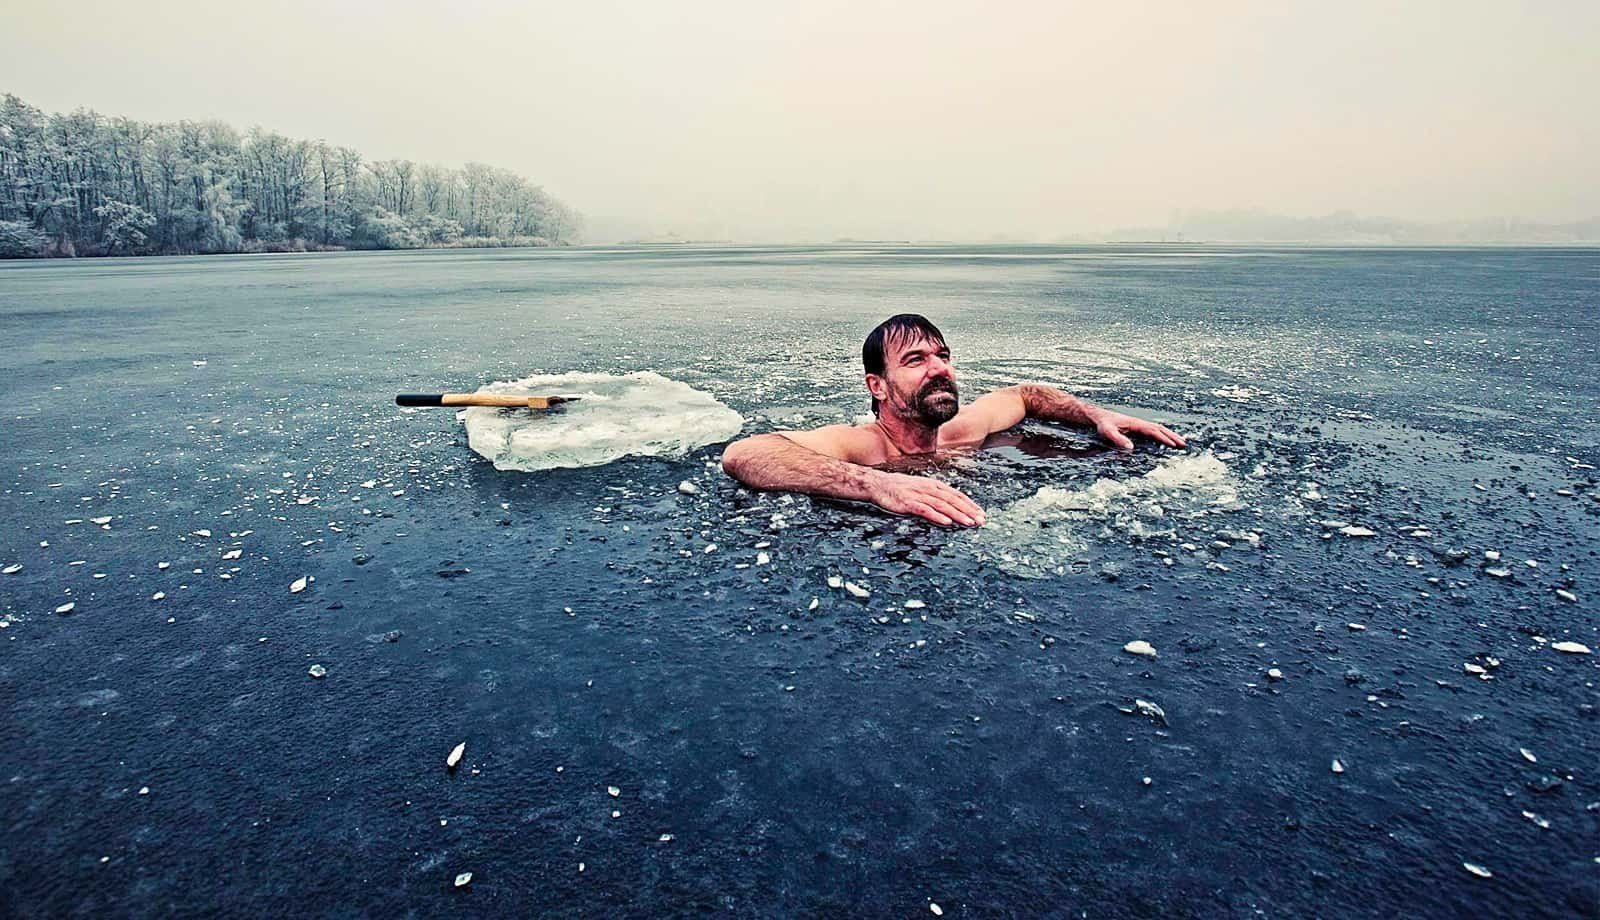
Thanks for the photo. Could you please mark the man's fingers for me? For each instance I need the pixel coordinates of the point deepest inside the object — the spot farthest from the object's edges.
(968, 508)
(925, 510)
(1163, 434)
(1109, 431)
(932, 498)
(953, 511)
(1116, 431)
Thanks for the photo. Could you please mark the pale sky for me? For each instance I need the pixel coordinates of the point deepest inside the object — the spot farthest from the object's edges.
(922, 119)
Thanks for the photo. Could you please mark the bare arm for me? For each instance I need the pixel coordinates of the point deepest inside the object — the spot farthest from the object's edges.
(1001, 409)
(810, 462)
(774, 461)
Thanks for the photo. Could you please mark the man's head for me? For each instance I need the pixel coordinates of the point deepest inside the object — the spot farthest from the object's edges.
(908, 371)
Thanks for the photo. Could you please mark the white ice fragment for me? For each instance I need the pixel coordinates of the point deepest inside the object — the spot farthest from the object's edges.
(1471, 668)
(1357, 627)
(1498, 571)
(69, 606)
(1527, 755)
(1334, 525)
(163, 566)
(815, 603)
(914, 604)
(613, 791)
(856, 590)
(762, 558)
(834, 581)
(1337, 767)
(1354, 531)
(688, 488)
(1274, 674)
(1150, 709)
(665, 838)
(1562, 593)
(463, 880)
(1140, 647)
(318, 671)
(11, 569)
(101, 520)
(710, 548)
(144, 790)
(369, 483)
(935, 909)
(1493, 555)
(202, 533)
(1574, 648)
(452, 760)
(232, 554)
(1539, 822)
(159, 595)
(299, 584)
(1477, 870)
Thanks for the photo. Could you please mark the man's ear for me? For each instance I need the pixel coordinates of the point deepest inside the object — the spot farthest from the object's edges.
(878, 387)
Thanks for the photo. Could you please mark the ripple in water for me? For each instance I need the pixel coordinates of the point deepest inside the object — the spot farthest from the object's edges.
(638, 414)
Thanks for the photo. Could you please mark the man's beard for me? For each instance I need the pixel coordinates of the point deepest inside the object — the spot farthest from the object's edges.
(937, 402)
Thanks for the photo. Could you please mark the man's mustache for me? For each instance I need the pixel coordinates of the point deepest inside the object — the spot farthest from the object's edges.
(942, 384)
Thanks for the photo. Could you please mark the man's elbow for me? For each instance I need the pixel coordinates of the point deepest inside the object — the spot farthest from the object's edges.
(743, 458)
(735, 456)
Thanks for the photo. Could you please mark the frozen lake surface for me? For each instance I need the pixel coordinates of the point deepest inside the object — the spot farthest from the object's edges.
(187, 439)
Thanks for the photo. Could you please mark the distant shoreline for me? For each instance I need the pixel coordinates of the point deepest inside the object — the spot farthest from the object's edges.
(731, 244)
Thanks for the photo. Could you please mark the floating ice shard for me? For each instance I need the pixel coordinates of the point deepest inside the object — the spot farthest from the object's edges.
(1140, 647)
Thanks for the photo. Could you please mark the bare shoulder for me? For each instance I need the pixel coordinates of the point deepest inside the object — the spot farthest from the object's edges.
(851, 443)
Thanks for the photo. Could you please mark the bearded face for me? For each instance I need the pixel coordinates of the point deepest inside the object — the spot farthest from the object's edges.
(936, 402)
(921, 383)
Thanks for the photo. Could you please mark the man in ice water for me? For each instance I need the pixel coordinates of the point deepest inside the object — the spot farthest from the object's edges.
(914, 399)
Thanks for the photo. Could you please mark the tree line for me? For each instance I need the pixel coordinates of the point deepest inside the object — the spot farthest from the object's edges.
(85, 184)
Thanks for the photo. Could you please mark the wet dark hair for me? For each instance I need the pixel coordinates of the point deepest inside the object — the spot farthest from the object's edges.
(902, 327)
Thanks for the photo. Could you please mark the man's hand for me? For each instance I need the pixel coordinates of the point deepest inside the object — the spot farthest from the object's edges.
(926, 498)
(1116, 427)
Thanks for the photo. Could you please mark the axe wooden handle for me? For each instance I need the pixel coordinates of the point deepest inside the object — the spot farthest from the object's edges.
(503, 400)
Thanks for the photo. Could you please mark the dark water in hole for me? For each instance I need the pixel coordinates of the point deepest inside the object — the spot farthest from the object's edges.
(859, 758)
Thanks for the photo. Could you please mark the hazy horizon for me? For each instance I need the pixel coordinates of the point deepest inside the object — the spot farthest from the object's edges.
(835, 120)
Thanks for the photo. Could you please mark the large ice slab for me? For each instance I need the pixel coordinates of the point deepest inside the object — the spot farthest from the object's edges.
(638, 414)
